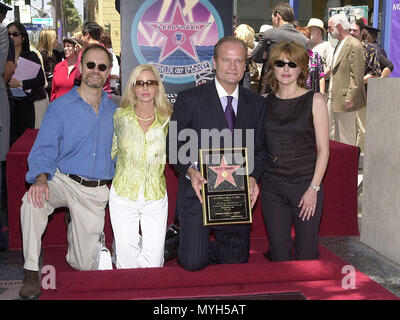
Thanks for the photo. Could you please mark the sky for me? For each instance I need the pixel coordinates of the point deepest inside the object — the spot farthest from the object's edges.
(78, 4)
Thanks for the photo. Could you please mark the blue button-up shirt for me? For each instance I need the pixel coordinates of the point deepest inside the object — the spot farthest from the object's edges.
(75, 140)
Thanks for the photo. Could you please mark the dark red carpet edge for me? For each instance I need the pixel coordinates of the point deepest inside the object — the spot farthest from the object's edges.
(317, 280)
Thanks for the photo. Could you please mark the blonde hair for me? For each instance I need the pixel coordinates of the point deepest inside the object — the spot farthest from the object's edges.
(293, 51)
(46, 40)
(77, 34)
(245, 33)
(162, 105)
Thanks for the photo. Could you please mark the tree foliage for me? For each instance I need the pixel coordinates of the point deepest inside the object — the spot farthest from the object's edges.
(72, 18)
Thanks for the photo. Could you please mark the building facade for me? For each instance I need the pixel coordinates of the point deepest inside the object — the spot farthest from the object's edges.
(105, 14)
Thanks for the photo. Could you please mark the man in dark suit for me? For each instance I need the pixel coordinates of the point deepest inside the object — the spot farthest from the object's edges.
(196, 110)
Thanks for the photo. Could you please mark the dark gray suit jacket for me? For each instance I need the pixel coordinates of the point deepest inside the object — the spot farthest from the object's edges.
(200, 108)
(272, 37)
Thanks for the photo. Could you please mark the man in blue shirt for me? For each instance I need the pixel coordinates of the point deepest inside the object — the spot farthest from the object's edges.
(69, 166)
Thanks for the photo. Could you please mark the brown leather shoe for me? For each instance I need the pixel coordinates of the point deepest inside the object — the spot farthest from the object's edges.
(30, 288)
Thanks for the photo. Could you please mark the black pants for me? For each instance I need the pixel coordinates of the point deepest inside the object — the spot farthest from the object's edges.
(196, 251)
(22, 117)
(281, 211)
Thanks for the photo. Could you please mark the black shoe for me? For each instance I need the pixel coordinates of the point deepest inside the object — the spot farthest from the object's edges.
(171, 243)
(30, 288)
(67, 218)
(268, 256)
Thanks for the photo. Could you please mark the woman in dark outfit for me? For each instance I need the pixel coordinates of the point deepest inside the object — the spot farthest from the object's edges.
(296, 141)
(22, 110)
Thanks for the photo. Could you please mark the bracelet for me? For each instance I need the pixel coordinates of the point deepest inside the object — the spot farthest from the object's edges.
(314, 187)
(21, 84)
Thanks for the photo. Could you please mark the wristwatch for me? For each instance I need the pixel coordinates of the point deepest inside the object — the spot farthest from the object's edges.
(314, 187)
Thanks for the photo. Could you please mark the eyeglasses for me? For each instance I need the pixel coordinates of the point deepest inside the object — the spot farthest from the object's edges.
(149, 83)
(91, 65)
(281, 64)
(14, 34)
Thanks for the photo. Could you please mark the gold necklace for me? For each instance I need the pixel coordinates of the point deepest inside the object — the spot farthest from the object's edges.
(144, 119)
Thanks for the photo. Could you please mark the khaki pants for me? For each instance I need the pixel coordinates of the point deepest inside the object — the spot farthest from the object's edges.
(342, 125)
(87, 210)
(361, 123)
(346, 127)
(331, 119)
(40, 110)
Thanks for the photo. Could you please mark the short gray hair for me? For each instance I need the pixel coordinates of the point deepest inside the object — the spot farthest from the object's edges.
(342, 20)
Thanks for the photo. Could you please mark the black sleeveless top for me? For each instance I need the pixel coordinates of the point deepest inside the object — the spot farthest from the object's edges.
(289, 139)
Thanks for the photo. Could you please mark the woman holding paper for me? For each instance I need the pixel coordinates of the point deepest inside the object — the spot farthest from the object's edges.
(27, 84)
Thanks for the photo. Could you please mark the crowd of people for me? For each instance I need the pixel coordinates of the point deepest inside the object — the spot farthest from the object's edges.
(309, 92)
(340, 72)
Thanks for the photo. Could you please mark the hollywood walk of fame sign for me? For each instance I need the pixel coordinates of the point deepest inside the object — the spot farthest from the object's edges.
(177, 37)
(226, 198)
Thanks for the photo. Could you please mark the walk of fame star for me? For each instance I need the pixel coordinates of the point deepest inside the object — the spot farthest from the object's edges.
(224, 172)
(178, 33)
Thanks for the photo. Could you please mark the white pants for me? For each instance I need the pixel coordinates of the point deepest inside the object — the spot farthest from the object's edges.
(126, 215)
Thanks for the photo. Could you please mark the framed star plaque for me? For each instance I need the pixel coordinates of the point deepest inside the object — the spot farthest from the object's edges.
(226, 198)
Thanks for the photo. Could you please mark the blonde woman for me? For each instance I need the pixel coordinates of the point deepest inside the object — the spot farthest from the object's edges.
(246, 33)
(46, 46)
(138, 195)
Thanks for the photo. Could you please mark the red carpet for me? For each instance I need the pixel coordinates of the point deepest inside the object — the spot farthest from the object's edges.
(339, 217)
(317, 279)
(320, 279)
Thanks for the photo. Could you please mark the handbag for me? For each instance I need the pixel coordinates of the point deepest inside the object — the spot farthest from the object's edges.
(171, 243)
(101, 255)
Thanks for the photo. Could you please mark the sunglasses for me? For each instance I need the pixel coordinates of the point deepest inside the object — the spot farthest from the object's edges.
(149, 83)
(15, 34)
(281, 64)
(91, 65)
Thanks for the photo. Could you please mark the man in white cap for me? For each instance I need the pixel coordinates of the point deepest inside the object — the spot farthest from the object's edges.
(346, 93)
(319, 45)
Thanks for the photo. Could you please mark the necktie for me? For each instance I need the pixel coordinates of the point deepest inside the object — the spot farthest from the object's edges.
(230, 114)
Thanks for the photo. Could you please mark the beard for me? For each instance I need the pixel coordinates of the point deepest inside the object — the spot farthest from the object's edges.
(95, 85)
(335, 33)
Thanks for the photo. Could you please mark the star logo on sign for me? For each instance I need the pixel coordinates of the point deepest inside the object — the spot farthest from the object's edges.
(224, 172)
(178, 34)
